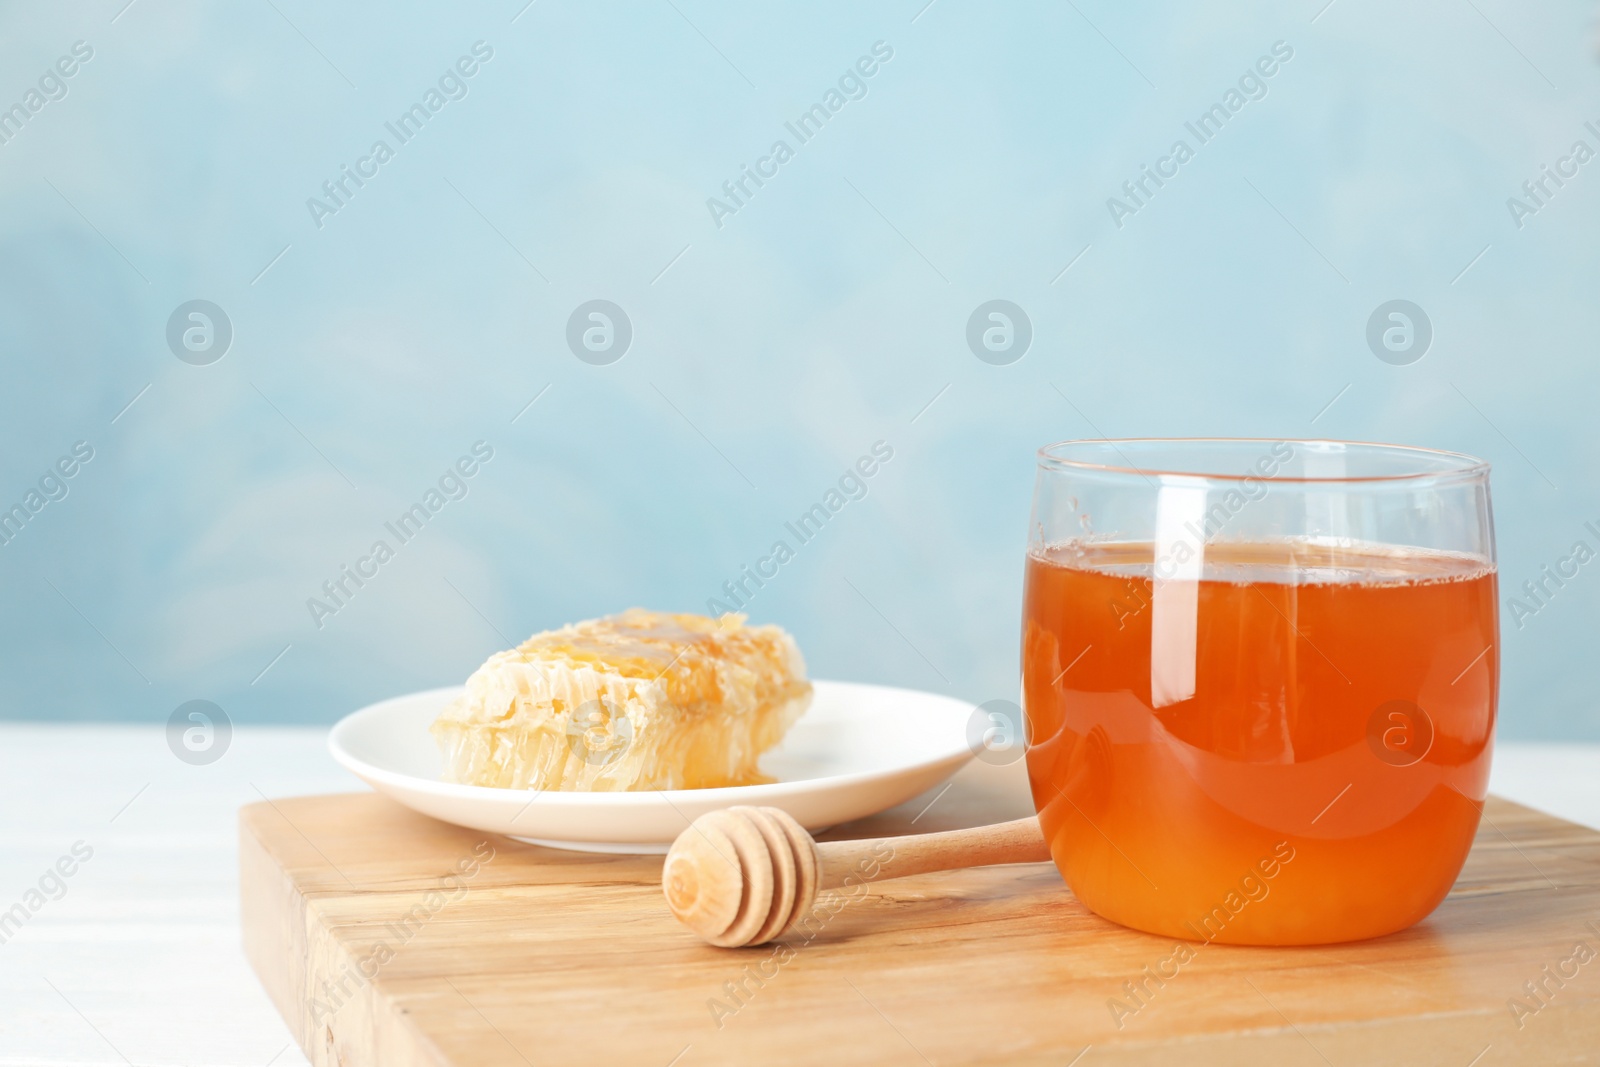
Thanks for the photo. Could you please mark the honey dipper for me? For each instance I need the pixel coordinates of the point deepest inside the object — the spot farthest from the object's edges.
(742, 876)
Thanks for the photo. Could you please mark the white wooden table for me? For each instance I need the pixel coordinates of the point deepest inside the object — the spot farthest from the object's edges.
(138, 961)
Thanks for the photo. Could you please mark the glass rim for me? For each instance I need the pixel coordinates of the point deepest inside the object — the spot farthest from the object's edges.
(1445, 463)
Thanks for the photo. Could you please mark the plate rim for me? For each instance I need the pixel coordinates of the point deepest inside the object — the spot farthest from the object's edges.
(727, 795)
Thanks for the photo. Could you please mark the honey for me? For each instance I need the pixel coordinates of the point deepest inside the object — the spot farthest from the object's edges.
(1321, 711)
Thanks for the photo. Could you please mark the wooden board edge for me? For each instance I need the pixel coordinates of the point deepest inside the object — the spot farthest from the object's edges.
(308, 974)
(1479, 1038)
(272, 923)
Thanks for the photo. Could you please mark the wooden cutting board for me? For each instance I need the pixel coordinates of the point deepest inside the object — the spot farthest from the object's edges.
(375, 954)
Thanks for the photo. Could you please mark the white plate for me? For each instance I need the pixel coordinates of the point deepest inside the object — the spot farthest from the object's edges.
(858, 750)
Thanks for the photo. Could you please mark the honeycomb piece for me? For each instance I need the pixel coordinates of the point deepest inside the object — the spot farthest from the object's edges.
(640, 700)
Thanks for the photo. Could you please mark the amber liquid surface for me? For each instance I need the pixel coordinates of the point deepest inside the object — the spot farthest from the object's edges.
(1288, 744)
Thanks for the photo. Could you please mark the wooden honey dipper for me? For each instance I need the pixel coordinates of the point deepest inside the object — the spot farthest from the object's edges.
(742, 876)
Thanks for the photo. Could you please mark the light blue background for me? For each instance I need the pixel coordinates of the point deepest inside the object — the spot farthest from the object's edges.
(824, 316)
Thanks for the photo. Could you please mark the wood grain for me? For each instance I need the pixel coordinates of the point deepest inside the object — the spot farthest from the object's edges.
(542, 956)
